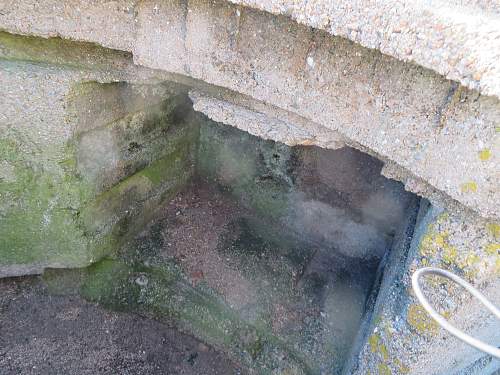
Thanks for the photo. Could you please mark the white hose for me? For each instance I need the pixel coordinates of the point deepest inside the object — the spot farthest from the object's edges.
(495, 352)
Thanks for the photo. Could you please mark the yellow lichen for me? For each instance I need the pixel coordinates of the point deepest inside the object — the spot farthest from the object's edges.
(484, 154)
(494, 230)
(403, 369)
(384, 352)
(443, 217)
(472, 259)
(377, 346)
(450, 254)
(471, 274)
(439, 239)
(434, 242)
(418, 319)
(374, 341)
(468, 187)
(492, 249)
(427, 247)
(387, 331)
(383, 369)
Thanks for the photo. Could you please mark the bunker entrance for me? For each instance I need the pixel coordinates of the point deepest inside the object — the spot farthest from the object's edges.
(276, 249)
(269, 252)
(291, 238)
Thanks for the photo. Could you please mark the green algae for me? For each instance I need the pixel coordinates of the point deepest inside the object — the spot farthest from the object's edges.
(39, 208)
(52, 219)
(163, 293)
(255, 171)
(58, 51)
(52, 214)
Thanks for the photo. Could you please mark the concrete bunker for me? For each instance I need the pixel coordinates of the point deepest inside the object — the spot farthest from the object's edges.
(271, 253)
(113, 188)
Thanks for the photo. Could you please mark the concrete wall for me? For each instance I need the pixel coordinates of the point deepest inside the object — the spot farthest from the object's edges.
(82, 161)
(426, 126)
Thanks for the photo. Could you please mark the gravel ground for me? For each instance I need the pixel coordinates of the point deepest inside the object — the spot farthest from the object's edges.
(46, 334)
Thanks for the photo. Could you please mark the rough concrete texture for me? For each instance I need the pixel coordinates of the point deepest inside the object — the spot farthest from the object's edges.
(292, 132)
(108, 23)
(76, 153)
(267, 277)
(331, 197)
(458, 39)
(273, 300)
(441, 139)
(401, 338)
(432, 34)
(402, 113)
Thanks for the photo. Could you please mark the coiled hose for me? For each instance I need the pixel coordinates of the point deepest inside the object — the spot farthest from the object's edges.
(495, 352)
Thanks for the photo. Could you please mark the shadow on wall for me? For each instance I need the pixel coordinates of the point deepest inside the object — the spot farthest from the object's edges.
(333, 198)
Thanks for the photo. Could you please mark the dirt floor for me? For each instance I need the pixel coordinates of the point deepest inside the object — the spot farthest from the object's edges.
(46, 334)
(310, 296)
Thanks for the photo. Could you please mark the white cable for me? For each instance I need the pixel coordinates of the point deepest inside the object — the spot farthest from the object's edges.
(495, 352)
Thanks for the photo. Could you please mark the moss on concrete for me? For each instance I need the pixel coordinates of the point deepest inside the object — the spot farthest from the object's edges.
(53, 215)
(255, 171)
(60, 52)
(39, 208)
(163, 292)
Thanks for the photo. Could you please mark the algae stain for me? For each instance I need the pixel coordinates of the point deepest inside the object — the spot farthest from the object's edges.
(163, 292)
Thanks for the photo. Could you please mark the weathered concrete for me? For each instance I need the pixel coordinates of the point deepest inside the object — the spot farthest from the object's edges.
(264, 122)
(434, 35)
(329, 197)
(402, 113)
(428, 126)
(79, 158)
(276, 79)
(402, 339)
(458, 39)
(110, 24)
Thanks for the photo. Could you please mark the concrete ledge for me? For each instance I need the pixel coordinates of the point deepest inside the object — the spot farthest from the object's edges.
(458, 39)
(400, 112)
(265, 125)
(440, 133)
